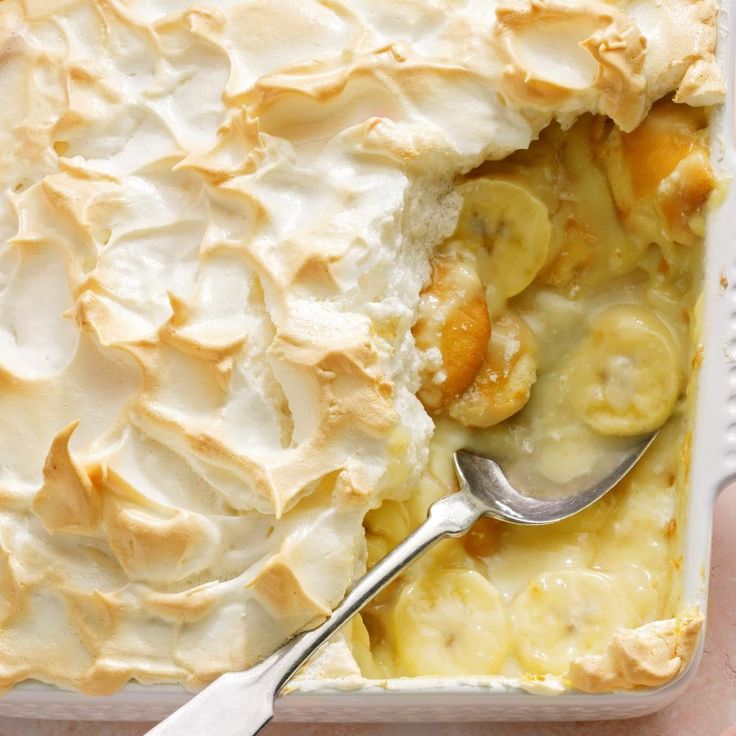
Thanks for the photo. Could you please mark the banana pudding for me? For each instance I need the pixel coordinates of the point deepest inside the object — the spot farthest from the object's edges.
(586, 337)
(264, 264)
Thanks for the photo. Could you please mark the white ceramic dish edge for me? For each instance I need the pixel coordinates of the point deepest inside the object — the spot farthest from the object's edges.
(713, 468)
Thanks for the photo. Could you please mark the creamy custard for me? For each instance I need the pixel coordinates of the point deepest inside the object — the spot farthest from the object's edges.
(597, 344)
(222, 359)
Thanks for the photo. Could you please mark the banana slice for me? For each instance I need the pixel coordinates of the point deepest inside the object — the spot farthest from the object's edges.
(514, 227)
(560, 616)
(503, 383)
(453, 318)
(524, 554)
(627, 375)
(452, 622)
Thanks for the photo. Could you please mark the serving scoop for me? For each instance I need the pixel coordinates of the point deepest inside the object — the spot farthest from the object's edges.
(241, 703)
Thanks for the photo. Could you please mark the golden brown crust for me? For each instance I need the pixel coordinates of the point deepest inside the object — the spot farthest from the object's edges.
(649, 656)
(67, 501)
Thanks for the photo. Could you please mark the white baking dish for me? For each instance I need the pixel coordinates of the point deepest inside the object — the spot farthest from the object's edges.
(471, 699)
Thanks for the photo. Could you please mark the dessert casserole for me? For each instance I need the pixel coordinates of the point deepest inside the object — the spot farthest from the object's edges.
(265, 264)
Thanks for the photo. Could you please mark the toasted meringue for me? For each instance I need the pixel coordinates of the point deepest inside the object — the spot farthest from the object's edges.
(645, 657)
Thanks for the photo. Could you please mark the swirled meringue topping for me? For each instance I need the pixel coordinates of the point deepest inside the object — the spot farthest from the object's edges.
(216, 223)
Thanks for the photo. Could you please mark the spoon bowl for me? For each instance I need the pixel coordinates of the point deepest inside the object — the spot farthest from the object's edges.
(486, 481)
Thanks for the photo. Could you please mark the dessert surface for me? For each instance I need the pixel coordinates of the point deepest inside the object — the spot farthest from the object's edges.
(233, 241)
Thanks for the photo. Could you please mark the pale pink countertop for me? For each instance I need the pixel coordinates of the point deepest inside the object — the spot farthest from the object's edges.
(708, 708)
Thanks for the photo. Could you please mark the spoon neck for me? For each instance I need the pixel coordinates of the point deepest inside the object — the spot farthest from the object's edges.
(456, 513)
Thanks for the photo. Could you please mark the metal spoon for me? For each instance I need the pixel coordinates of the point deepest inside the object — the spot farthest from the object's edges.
(241, 703)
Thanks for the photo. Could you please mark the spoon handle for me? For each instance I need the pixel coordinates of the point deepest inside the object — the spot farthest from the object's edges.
(241, 704)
